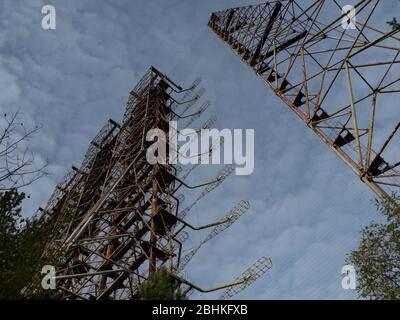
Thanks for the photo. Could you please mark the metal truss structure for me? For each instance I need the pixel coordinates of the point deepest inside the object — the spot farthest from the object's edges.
(343, 82)
(256, 270)
(117, 218)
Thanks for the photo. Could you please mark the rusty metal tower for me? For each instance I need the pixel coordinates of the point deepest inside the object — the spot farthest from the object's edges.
(335, 68)
(118, 218)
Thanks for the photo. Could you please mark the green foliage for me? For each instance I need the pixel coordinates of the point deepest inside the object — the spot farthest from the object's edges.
(377, 260)
(10, 218)
(161, 286)
(394, 24)
(21, 245)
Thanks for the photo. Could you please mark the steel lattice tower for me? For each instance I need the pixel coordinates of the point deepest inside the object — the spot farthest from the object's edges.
(342, 82)
(117, 218)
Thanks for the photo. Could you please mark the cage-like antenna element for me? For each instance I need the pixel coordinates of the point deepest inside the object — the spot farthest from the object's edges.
(233, 215)
(255, 271)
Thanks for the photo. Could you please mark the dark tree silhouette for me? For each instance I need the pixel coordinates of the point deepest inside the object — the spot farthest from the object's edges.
(17, 162)
(22, 243)
(161, 286)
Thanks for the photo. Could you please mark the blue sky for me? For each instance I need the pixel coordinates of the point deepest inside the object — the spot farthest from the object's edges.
(307, 207)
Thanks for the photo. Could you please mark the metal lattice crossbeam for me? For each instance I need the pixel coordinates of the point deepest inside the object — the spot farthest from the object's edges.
(256, 270)
(342, 82)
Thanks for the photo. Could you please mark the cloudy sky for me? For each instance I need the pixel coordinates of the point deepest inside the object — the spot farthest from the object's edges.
(307, 207)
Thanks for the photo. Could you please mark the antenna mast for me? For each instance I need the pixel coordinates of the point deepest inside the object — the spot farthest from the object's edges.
(341, 80)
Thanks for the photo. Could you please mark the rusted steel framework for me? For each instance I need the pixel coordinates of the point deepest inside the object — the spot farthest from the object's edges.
(118, 218)
(342, 82)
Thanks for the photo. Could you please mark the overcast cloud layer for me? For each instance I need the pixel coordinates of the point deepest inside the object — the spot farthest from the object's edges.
(307, 207)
